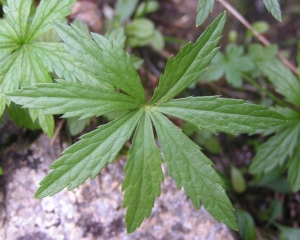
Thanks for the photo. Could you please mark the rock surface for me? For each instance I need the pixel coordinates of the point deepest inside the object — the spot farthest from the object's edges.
(93, 210)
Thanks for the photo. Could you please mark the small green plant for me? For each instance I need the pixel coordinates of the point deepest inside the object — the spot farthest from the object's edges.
(140, 31)
(190, 168)
(233, 63)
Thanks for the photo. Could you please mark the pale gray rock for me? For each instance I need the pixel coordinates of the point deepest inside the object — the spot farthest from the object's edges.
(93, 210)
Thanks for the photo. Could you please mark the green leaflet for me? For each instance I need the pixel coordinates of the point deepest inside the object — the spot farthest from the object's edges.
(285, 82)
(104, 59)
(47, 11)
(47, 123)
(273, 7)
(275, 151)
(72, 99)
(189, 64)
(203, 9)
(193, 170)
(10, 67)
(57, 59)
(227, 115)
(76, 125)
(288, 233)
(87, 157)
(125, 8)
(246, 225)
(21, 117)
(16, 15)
(294, 169)
(32, 70)
(143, 175)
(8, 38)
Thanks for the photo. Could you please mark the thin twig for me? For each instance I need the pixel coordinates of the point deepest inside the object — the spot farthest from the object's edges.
(57, 130)
(261, 38)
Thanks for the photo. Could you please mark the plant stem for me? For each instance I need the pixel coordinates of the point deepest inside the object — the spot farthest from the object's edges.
(268, 93)
(261, 38)
(57, 130)
(145, 8)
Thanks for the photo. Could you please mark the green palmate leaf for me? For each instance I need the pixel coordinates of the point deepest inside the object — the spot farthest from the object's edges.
(107, 62)
(283, 79)
(273, 7)
(227, 115)
(48, 10)
(189, 64)
(203, 9)
(275, 151)
(105, 59)
(143, 175)
(294, 169)
(193, 170)
(72, 99)
(57, 59)
(16, 15)
(87, 157)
